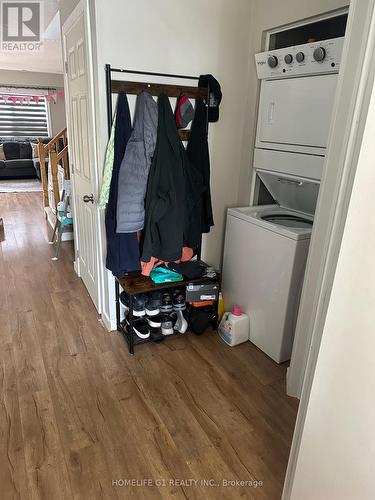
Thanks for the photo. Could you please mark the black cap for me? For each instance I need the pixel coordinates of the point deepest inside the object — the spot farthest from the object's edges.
(215, 95)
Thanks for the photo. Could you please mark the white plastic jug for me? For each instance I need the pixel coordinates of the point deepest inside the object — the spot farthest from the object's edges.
(234, 327)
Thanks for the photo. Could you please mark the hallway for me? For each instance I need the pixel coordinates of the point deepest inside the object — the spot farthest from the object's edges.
(78, 412)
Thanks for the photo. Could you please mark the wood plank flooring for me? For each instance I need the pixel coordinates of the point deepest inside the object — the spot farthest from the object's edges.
(79, 416)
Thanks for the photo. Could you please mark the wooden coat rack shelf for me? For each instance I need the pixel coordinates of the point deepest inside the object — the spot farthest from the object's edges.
(155, 89)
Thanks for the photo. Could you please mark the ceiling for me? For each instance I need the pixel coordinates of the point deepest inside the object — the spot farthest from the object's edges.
(49, 58)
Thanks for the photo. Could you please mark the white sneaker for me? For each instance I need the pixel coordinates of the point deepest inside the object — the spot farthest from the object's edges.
(181, 323)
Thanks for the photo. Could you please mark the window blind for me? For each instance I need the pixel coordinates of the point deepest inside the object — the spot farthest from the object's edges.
(23, 120)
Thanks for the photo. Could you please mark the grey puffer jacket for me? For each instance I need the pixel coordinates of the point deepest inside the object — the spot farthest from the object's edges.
(135, 166)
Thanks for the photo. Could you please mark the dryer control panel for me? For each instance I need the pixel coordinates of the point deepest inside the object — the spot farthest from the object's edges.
(300, 60)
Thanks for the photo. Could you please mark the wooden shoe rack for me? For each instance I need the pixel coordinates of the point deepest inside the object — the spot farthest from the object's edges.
(135, 283)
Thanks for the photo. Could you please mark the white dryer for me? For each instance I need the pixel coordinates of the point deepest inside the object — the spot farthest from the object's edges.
(265, 254)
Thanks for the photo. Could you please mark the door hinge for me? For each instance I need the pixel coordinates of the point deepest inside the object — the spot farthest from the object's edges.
(77, 254)
(66, 67)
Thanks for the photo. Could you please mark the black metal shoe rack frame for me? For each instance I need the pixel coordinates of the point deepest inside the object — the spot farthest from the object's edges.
(135, 283)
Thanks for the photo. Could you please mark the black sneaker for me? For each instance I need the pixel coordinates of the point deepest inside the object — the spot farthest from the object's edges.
(139, 302)
(166, 303)
(154, 321)
(140, 328)
(168, 323)
(153, 304)
(179, 303)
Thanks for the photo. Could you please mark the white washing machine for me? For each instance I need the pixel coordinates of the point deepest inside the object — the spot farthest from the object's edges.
(266, 247)
(265, 255)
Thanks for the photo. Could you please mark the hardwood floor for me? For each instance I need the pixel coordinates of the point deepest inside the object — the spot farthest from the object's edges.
(78, 413)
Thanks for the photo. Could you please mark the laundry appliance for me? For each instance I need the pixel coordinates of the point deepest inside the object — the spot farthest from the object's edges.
(266, 246)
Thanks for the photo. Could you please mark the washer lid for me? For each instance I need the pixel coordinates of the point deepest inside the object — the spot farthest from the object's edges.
(295, 193)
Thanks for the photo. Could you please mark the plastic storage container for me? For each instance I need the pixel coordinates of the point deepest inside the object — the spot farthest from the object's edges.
(234, 327)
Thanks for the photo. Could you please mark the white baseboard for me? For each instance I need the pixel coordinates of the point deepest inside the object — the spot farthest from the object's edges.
(110, 324)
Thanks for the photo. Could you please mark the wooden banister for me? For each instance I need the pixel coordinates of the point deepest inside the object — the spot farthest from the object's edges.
(63, 155)
(60, 135)
(43, 171)
(55, 157)
(54, 173)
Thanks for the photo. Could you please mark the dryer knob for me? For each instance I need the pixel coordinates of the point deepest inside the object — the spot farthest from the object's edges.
(300, 56)
(288, 58)
(319, 54)
(272, 61)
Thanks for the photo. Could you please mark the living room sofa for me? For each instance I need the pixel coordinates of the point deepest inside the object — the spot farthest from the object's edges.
(19, 162)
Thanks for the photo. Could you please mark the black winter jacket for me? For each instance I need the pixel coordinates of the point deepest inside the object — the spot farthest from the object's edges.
(163, 236)
(198, 154)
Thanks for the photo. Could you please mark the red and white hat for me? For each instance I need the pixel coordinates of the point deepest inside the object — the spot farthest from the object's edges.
(184, 112)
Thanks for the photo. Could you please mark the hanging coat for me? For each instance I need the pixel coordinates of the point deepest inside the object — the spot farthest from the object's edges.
(198, 154)
(122, 249)
(135, 166)
(165, 198)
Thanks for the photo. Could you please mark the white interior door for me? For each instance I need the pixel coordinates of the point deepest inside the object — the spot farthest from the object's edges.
(80, 132)
(296, 111)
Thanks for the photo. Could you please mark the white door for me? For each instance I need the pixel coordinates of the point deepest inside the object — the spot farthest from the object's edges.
(296, 111)
(80, 133)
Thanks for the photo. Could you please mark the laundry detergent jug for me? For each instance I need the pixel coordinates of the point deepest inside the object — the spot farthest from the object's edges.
(234, 327)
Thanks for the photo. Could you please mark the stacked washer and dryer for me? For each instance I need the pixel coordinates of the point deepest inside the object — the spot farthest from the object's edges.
(266, 246)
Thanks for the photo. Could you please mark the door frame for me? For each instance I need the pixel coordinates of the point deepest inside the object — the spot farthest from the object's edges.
(83, 7)
(348, 123)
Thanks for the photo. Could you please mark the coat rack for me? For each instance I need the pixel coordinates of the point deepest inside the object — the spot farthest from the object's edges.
(155, 89)
(135, 283)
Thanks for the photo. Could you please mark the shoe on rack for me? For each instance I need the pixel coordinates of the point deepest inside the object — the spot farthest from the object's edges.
(153, 304)
(181, 324)
(139, 302)
(167, 323)
(140, 328)
(166, 303)
(179, 303)
(154, 321)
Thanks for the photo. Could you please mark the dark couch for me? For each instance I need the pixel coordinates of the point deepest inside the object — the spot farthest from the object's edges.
(19, 163)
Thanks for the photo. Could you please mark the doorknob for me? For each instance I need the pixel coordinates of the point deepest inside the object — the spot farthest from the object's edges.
(88, 198)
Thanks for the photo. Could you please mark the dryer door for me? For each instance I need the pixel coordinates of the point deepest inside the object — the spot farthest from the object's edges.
(295, 113)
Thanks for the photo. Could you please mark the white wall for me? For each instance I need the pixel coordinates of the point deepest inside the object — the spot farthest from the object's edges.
(200, 36)
(195, 37)
(57, 115)
(30, 78)
(337, 452)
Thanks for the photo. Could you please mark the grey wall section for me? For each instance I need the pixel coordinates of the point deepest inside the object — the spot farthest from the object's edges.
(9, 77)
(30, 78)
(66, 8)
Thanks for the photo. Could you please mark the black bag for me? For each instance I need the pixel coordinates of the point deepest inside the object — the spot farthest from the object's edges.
(200, 318)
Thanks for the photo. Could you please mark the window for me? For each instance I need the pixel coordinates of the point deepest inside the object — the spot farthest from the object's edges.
(29, 119)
